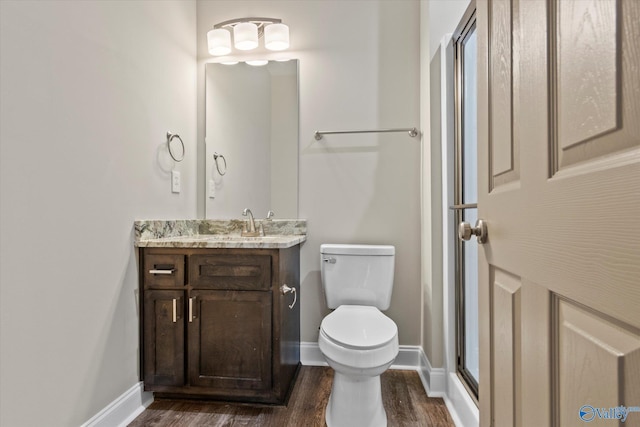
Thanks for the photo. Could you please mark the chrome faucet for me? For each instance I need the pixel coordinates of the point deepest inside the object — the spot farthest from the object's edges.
(251, 231)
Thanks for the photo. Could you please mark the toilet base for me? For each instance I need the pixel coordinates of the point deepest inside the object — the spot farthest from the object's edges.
(355, 401)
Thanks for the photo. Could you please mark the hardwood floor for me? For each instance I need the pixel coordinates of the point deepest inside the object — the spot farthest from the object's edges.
(404, 399)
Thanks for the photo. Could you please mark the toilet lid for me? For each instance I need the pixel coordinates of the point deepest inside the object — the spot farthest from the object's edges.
(358, 326)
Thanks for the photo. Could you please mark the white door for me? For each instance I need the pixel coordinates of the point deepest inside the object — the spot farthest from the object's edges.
(559, 189)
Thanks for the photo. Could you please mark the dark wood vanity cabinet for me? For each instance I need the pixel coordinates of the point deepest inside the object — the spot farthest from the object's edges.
(216, 325)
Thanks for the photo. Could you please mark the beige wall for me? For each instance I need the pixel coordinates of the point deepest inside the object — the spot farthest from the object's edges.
(359, 68)
(89, 90)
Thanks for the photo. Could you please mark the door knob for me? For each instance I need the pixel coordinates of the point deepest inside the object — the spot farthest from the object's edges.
(465, 231)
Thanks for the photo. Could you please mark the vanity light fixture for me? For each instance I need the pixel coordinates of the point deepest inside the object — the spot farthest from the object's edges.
(246, 32)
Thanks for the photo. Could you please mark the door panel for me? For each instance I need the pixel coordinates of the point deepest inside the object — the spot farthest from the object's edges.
(506, 335)
(505, 159)
(561, 329)
(592, 356)
(535, 355)
(593, 52)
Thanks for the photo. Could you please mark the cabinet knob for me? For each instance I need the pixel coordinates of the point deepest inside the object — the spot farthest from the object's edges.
(284, 289)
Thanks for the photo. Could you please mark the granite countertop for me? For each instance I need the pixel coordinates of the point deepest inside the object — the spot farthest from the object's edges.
(217, 234)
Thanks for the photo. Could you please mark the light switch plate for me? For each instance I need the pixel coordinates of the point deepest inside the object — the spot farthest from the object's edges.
(175, 181)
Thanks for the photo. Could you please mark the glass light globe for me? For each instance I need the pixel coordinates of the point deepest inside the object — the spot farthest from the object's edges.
(245, 36)
(219, 42)
(276, 37)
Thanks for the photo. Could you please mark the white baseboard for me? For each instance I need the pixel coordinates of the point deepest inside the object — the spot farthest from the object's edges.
(124, 409)
(433, 379)
(462, 408)
(310, 354)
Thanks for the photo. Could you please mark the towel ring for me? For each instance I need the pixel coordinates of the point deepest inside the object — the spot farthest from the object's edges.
(170, 137)
(215, 159)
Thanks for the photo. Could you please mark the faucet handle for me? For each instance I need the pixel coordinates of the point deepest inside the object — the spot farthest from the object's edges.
(269, 215)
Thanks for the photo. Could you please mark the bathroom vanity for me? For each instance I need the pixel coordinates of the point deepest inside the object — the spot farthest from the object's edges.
(219, 314)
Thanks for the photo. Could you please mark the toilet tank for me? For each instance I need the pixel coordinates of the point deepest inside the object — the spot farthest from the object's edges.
(357, 274)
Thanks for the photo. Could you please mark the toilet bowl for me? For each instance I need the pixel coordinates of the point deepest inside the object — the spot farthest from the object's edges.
(359, 343)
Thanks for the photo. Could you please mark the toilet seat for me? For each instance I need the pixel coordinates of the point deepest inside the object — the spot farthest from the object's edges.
(359, 327)
(359, 337)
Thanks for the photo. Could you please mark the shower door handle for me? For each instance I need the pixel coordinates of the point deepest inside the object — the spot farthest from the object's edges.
(465, 231)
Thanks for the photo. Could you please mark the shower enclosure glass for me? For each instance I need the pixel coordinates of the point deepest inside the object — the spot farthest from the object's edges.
(466, 203)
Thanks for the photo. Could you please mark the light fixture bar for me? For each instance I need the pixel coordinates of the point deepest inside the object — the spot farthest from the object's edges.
(260, 22)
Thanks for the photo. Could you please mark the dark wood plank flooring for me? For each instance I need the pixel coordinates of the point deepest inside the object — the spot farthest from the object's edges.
(404, 399)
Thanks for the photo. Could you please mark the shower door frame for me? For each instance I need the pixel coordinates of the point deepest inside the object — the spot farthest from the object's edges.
(465, 28)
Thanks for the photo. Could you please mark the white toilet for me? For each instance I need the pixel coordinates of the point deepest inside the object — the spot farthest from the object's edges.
(358, 341)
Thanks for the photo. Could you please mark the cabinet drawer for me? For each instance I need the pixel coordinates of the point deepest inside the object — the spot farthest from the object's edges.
(231, 272)
(162, 270)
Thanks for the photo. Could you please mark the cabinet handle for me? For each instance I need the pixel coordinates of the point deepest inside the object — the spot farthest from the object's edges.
(175, 310)
(289, 289)
(191, 309)
(171, 271)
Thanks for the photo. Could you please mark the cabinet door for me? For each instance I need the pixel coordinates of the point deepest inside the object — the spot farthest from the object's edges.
(163, 338)
(230, 340)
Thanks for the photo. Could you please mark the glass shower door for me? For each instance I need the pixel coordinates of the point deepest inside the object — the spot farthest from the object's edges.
(466, 194)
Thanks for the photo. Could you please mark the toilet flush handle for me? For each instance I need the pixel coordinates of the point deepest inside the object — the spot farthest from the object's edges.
(284, 289)
(330, 260)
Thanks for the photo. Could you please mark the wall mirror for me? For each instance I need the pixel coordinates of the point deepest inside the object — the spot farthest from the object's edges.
(251, 140)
